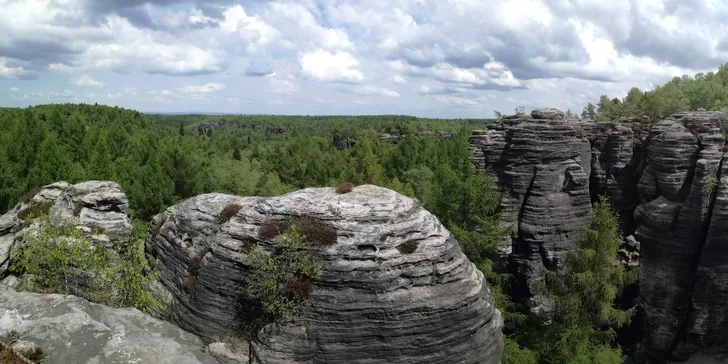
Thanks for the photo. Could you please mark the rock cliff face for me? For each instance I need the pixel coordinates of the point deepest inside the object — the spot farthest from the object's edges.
(544, 167)
(99, 208)
(372, 303)
(665, 180)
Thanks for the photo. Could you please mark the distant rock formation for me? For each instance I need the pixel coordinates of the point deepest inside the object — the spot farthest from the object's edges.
(99, 208)
(395, 138)
(373, 303)
(667, 183)
(72, 330)
(341, 143)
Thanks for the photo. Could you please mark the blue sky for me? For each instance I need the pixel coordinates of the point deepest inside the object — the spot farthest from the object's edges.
(430, 58)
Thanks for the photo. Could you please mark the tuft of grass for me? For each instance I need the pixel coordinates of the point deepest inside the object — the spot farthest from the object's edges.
(316, 231)
(408, 247)
(35, 210)
(29, 195)
(345, 187)
(269, 229)
(229, 211)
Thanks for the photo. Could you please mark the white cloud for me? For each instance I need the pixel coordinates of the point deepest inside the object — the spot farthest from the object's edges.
(373, 90)
(206, 88)
(59, 67)
(14, 89)
(167, 93)
(399, 80)
(326, 66)
(86, 80)
(10, 72)
(281, 86)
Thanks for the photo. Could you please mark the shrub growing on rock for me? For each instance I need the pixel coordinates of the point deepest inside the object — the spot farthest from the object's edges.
(35, 210)
(283, 279)
(269, 229)
(29, 195)
(62, 260)
(345, 187)
(316, 231)
(229, 211)
(408, 247)
(35, 354)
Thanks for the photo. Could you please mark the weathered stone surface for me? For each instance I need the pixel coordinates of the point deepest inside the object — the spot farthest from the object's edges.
(72, 330)
(99, 208)
(544, 168)
(666, 181)
(372, 303)
(547, 113)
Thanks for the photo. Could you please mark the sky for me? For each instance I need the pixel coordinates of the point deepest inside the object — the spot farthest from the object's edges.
(428, 58)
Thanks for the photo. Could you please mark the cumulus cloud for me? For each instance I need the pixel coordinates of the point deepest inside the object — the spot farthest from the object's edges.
(206, 88)
(436, 57)
(14, 89)
(86, 80)
(326, 66)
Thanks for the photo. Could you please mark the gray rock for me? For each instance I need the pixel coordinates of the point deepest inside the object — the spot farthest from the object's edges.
(99, 208)
(372, 303)
(667, 182)
(72, 330)
(544, 167)
(548, 113)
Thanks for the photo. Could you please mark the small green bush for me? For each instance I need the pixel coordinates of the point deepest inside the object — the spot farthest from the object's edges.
(316, 231)
(63, 260)
(35, 210)
(408, 247)
(282, 280)
(229, 211)
(710, 183)
(345, 187)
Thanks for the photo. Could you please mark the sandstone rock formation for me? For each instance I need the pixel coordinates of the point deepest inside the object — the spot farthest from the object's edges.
(544, 165)
(371, 304)
(72, 330)
(99, 208)
(665, 180)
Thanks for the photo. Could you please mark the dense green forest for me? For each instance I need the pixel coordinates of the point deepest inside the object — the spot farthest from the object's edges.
(704, 90)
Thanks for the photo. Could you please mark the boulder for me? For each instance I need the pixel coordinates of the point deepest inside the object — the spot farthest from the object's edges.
(373, 302)
(548, 113)
(99, 208)
(72, 330)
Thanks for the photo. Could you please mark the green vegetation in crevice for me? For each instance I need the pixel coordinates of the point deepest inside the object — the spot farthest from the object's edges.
(63, 260)
(283, 279)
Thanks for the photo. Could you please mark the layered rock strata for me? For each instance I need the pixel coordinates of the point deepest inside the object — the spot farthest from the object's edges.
(372, 304)
(666, 181)
(543, 165)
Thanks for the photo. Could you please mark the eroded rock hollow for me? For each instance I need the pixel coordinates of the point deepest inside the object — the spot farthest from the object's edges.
(666, 181)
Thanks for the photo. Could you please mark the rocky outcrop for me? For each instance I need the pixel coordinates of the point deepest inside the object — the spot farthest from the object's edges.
(99, 208)
(544, 165)
(373, 303)
(72, 330)
(667, 183)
